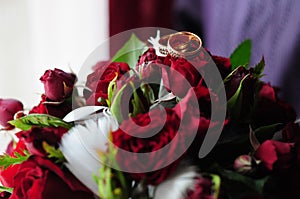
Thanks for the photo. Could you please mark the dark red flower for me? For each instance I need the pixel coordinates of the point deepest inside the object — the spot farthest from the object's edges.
(275, 154)
(99, 80)
(8, 108)
(195, 112)
(35, 137)
(269, 109)
(154, 134)
(39, 178)
(58, 84)
(6, 175)
(57, 110)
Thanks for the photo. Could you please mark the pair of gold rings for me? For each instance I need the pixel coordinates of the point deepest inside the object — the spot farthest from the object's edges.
(180, 44)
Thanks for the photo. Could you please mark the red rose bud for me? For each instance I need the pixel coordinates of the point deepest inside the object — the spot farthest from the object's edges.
(58, 84)
(8, 108)
(243, 163)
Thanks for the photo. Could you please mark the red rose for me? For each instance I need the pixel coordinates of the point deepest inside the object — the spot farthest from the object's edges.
(195, 112)
(6, 175)
(181, 76)
(39, 178)
(150, 56)
(158, 135)
(271, 110)
(8, 108)
(99, 80)
(57, 110)
(35, 137)
(58, 84)
(275, 154)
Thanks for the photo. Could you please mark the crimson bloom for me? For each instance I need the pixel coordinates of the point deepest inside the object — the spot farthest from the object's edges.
(8, 108)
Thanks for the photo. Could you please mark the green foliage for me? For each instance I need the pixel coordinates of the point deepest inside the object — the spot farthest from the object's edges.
(54, 153)
(241, 55)
(235, 102)
(39, 120)
(6, 189)
(6, 160)
(259, 68)
(111, 182)
(130, 52)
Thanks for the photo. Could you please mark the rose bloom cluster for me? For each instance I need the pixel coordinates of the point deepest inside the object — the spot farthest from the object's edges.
(259, 140)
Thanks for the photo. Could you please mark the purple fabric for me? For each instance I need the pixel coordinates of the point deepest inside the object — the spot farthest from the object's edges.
(272, 25)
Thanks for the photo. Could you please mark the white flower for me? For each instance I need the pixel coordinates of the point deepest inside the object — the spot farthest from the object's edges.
(81, 145)
(177, 185)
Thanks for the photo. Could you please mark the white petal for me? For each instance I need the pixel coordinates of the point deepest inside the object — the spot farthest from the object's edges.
(81, 145)
(82, 113)
(177, 185)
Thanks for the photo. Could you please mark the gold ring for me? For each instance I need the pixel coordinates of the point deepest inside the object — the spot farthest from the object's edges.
(183, 44)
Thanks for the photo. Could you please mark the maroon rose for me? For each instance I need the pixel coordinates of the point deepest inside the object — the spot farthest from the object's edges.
(8, 108)
(58, 84)
(275, 154)
(181, 76)
(99, 80)
(158, 135)
(35, 137)
(39, 178)
(150, 56)
(194, 121)
(270, 109)
(6, 175)
(58, 110)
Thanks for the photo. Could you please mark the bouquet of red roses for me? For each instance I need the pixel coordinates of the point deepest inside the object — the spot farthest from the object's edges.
(162, 119)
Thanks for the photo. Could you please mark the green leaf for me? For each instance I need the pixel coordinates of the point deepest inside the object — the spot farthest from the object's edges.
(241, 55)
(54, 153)
(39, 120)
(259, 68)
(137, 104)
(130, 52)
(115, 108)
(235, 183)
(267, 132)
(6, 189)
(111, 90)
(235, 102)
(6, 160)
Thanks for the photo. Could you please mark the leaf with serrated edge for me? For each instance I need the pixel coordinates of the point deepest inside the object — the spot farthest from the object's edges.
(39, 120)
(53, 153)
(7, 160)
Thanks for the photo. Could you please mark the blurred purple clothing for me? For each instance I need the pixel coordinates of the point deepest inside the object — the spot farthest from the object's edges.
(272, 25)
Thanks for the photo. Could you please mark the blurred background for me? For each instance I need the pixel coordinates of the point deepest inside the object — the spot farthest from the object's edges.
(38, 35)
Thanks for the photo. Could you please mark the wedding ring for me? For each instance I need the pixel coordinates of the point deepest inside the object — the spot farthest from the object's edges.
(183, 44)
